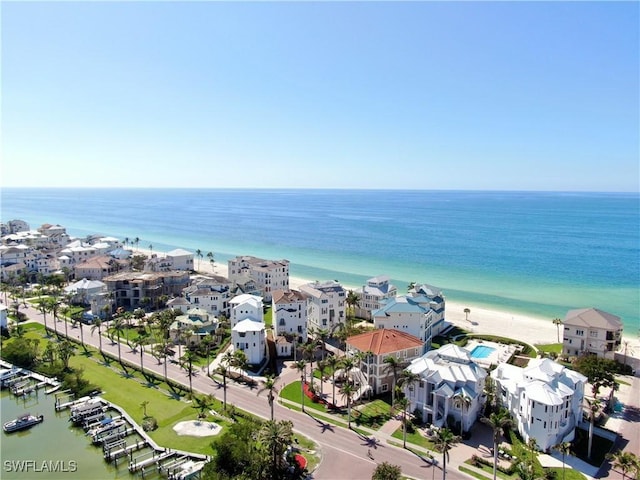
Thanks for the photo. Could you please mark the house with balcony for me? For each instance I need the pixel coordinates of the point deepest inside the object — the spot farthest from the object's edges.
(326, 304)
(592, 331)
(248, 331)
(289, 314)
(426, 294)
(450, 391)
(377, 345)
(373, 294)
(211, 294)
(132, 290)
(84, 291)
(180, 259)
(269, 275)
(545, 399)
(410, 315)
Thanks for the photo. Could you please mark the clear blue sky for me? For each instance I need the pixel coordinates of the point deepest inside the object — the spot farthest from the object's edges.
(505, 95)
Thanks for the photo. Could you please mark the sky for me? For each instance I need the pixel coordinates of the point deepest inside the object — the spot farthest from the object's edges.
(376, 95)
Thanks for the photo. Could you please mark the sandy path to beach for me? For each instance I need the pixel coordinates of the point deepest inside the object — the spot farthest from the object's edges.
(481, 320)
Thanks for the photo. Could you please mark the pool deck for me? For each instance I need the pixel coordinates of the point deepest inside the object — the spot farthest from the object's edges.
(501, 352)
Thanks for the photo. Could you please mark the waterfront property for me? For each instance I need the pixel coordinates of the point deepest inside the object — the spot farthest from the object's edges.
(451, 385)
(131, 288)
(209, 293)
(247, 327)
(377, 290)
(193, 326)
(379, 344)
(545, 399)
(269, 275)
(590, 330)
(486, 353)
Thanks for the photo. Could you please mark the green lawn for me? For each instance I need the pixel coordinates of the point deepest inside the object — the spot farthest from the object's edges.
(292, 392)
(549, 347)
(415, 438)
(268, 317)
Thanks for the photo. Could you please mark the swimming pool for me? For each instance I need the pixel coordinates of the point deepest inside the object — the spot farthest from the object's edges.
(481, 351)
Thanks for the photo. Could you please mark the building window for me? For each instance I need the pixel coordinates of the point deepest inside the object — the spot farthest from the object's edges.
(580, 332)
(385, 387)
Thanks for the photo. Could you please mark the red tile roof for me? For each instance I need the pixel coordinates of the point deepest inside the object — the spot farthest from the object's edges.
(383, 341)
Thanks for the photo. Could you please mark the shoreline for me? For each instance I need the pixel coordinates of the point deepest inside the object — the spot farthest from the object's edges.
(482, 320)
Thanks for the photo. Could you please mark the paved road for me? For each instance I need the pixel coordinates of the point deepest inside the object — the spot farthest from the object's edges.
(343, 451)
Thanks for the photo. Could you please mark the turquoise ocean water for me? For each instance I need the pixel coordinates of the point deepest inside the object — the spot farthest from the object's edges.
(539, 253)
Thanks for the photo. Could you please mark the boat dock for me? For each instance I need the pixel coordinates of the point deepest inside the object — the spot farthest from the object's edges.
(23, 382)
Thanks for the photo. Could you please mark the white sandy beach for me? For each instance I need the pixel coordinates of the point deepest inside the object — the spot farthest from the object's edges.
(530, 329)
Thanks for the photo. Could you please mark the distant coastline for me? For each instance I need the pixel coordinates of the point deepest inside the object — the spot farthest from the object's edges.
(536, 254)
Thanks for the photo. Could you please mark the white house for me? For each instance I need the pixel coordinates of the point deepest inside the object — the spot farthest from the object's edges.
(84, 291)
(244, 307)
(377, 290)
(180, 259)
(410, 315)
(289, 315)
(426, 294)
(211, 294)
(326, 306)
(250, 337)
(545, 399)
(590, 330)
(451, 385)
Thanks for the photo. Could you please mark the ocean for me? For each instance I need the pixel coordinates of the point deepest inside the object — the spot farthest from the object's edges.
(538, 253)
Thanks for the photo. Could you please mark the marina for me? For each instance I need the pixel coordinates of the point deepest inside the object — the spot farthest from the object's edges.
(86, 424)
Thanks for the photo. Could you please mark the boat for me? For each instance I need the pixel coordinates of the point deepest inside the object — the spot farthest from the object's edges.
(22, 422)
(53, 389)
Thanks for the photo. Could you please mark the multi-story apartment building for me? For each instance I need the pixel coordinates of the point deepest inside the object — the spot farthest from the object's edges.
(544, 398)
(451, 384)
(244, 307)
(269, 275)
(589, 330)
(379, 344)
(429, 295)
(326, 304)
(377, 290)
(140, 289)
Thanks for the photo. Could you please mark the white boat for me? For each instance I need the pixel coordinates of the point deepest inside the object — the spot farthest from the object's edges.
(22, 422)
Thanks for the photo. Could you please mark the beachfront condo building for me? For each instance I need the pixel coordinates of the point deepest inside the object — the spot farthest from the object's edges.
(545, 399)
(269, 275)
(326, 305)
(426, 294)
(377, 290)
(97, 268)
(450, 389)
(248, 332)
(13, 226)
(377, 345)
(590, 330)
(289, 314)
(412, 315)
(180, 259)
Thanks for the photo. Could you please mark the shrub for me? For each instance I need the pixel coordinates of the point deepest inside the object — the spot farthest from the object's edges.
(149, 424)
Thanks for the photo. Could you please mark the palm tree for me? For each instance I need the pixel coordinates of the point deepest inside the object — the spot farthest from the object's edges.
(310, 350)
(76, 318)
(199, 255)
(211, 261)
(393, 366)
(323, 334)
(275, 437)
(65, 352)
(352, 301)
(202, 404)
(187, 363)
(403, 404)
(333, 363)
(97, 324)
(224, 371)
(348, 390)
(139, 343)
(564, 448)
(269, 385)
(464, 402)
(557, 322)
(143, 405)
(625, 462)
(301, 366)
(444, 441)
(498, 422)
(467, 311)
(136, 241)
(150, 250)
(43, 309)
(118, 328)
(54, 306)
(592, 409)
(322, 367)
